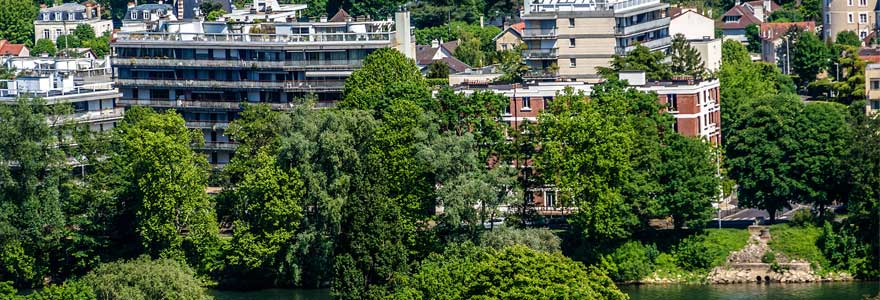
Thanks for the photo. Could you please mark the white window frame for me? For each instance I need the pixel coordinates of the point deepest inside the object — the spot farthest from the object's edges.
(58, 33)
(849, 2)
(47, 34)
(849, 18)
(526, 103)
(146, 15)
(71, 16)
(863, 34)
(571, 22)
(572, 42)
(45, 17)
(572, 62)
(134, 15)
(863, 2)
(861, 16)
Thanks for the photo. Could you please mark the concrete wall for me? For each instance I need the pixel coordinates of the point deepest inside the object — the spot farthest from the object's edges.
(692, 25)
(710, 53)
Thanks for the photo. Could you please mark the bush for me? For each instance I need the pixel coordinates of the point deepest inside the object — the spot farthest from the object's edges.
(538, 239)
(68, 291)
(798, 243)
(845, 252)
(630, 262)
(691, 254)
(769, 257)
(143, 278)
(802, 218)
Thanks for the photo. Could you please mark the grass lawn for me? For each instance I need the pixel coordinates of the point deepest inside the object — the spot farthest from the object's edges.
(721, 242)
(798, 242)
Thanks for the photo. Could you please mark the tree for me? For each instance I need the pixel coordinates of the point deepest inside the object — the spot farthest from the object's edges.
(787, 14)
(538, 239)
(438, 69)
(809, 56)
(639, 59)
(512, 66)
(386, 76)
(863, 197)
(67, 41)
(757, 155)
(469, 50)
(685, 58)
(143, 278)
(849, 74)
(734, 52)
(819, 165)
(378, 9)
(17, 21)
(468, 272)
(84, 32)
(44, 46)
(215, 14)
(849, 38)
(689, 176)
(99, 45)
(753, 36)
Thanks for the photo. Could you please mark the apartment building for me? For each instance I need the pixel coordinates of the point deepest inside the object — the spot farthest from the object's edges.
(699, 30)
(59, 20)
(568, 39)
(848, 15)
(872, 88)
(85, 84)
(208, 70)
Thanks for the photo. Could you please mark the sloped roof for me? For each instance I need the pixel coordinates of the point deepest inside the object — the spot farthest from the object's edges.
(455, 65)
(760, 3)
(451, 46)
(746, 18)
(772, 31)
(10, 49)
(340, 16)
(425, 56)
(68, 7)
(676, 12)
(870, 54)
(516, 28)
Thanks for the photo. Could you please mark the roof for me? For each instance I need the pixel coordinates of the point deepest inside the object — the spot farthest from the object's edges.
(746, 18)
(451, 46)
(455, 64)
(10, 49)
(425, 56)
(68, 7)
(772, 31)
(871, 55)
(152, 7)
(340, 16)
(516, 28)
(676, 12)
(760, 3)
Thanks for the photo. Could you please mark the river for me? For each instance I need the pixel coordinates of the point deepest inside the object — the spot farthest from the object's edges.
(773, 291)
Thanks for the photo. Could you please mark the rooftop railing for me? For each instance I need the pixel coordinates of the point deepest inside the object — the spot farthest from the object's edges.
(236, 84)
(234, 62)
(635, 28)
(255, 38)
(539, 33)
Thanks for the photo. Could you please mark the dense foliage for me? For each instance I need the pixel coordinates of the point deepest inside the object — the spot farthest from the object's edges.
(17, 21)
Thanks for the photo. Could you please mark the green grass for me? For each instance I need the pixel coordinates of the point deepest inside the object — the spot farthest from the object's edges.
(721, 242)
(798, 243)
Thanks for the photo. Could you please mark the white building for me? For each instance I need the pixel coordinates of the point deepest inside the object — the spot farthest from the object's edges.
(59, 20)
(699, 30)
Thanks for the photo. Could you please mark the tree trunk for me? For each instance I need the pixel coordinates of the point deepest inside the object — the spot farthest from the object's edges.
(772, 213)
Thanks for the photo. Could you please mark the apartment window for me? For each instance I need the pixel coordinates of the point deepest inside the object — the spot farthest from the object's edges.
(849, 17)
(134, 15)
(58, 16)
(45, 17)
(875, 84)
(571, 43)
(849, 2)
(549, 198)
(571, 21)
(58, 33)
(506, 109)
(71, 16)
(875, 104)
(863, 18)
(547, 100)
(572, 62)
(863, 34)
(45, 33)
(672, 102)
(526, 103)
(146, 15)
(863, 2)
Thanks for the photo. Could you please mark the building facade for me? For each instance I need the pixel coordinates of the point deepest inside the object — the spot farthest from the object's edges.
(775, 46)
(740, 16)
(85, 84)
(872, 88)
(59, 20)
(848, 15)
(568, 40)
(699, 30)
(208, 71)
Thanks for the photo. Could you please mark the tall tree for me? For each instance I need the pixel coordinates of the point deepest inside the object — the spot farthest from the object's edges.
(863, 198)
(17, 21)
(690, 180)
(819, 164)
(809, 56)
(639, 59)
(753, 36)
(84, 32)
(849, 38)
(685, 58)
(387, 75)
(848, 70)
(44, 46)
(469, 50)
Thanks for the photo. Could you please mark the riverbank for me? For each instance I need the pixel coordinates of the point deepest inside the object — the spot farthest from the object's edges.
(856, 290)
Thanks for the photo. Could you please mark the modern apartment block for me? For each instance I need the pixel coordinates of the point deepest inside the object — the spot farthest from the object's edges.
(59, 20)
(848, 15)
(208, 70)
(84, 83)
(567, 39)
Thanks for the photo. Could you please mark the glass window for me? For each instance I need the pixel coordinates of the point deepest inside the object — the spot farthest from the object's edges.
(549, 198)
(134, 15)
(572, 62)
(571, 43)
(571, 21)
(46, 33)
(875, 84)
(875, 104)
(863, 18)
(849, 17)
(672, 102)
(863, 2)
(526, 103)
(849, 2)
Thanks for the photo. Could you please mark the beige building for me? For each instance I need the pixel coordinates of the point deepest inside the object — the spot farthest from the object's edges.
(848, 15)
(699, 30)
(569, 39)
(509, 38)
(58, 20)
(872, 88)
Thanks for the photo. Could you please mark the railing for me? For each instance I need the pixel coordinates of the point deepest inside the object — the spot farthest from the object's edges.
(256, 38)
(93, 116)
(215, 104)
(207, 124)
(540, 75)
(539, 8)
(230, 146)
(633, 3)
(652, 44)
(540, 53)
(631, 29)
(14, 93)
(235, 63)
(329, 85)
(539, 33)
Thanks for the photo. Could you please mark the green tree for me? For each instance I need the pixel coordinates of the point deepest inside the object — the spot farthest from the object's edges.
(68, 291)
(685, 58)
(787, 14)
(809, 56)
(438, 69)
(819, 164)
(639, 59)
(17, 21)
(849, 74)
(99, 45)
(468, 272)
(143, 278)
(863, 197)
(378, 9)
(538, 239)
(849, 38)
(743, 81)
(689, 176)
(84, 32)
(811, 10)
(512, 66)
(387, 75)
(215, 14)
(44, 46)
(469, 50)
(67, 41)
(753, 36)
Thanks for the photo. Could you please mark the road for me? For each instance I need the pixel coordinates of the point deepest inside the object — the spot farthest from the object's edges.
(745, 217)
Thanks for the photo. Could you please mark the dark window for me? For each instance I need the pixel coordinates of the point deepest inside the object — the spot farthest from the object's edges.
(672, 102)
(526, 103)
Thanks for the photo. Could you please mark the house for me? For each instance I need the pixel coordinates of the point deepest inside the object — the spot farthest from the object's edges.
(146, 16)
(740, 16)
(510, 37)
(699, 30)
(848, 15)
(772, 40)
(870, 55)
(872, 88)
(10, 49)
(438, 51)
(59, 20)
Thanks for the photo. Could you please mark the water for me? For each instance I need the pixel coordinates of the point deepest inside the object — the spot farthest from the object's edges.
(273, 294)
(773, 291)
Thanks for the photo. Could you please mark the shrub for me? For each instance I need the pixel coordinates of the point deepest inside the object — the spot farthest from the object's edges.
(845, 252)
(802, 218)
(630, 262)
(769, 257)
(798, 243)
(143, 278)
(538, 239)
(691, 254)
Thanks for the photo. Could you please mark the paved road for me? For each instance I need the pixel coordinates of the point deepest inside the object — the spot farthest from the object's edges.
(745, 217)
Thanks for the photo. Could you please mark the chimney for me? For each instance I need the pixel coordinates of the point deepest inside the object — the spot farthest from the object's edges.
(89, 14)
(131, 5)
(42, 5)
(435, 43)
(768, 6)
(323, 18)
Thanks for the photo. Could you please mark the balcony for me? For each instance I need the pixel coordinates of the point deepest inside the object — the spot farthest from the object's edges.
(540, 75)
(207, 124)
(632, 5)
(642, 27)
(221, 146)
(294, 85)
(199, 104)
(539, 33)
(59, 96)
(248, 38)
(95, 116)
(237, 63)
(655, 44)
(540, 53)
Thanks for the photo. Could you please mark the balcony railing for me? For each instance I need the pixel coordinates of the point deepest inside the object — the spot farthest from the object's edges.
(235, 63)
(216, 104)
(645, 26)
(540, 74)
(56, 96)
(541, 53)
(539, 33)
(207, 124)
(308, 85)
(95, 116)
(228, 146)
(652, 44)
(382, 37)
(623, 5)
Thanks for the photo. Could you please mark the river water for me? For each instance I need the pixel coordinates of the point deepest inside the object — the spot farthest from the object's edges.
(773, 291)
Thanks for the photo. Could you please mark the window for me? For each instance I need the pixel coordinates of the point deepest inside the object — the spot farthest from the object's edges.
(571, 21)
(58, 33)
(526, 103)
(863, 34)
(58, 16)
(547, 100)
(849, 2)
(549, 198)
(863, 2)
(875, 104)
(571, 43)
(134, 15)
(875, 84)
(46, 33)
(672, 102)
(572, 62)
(863, 18)
(71, 16)
(507, 109)
(849, 18)
(146, 15)
(45, 17)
